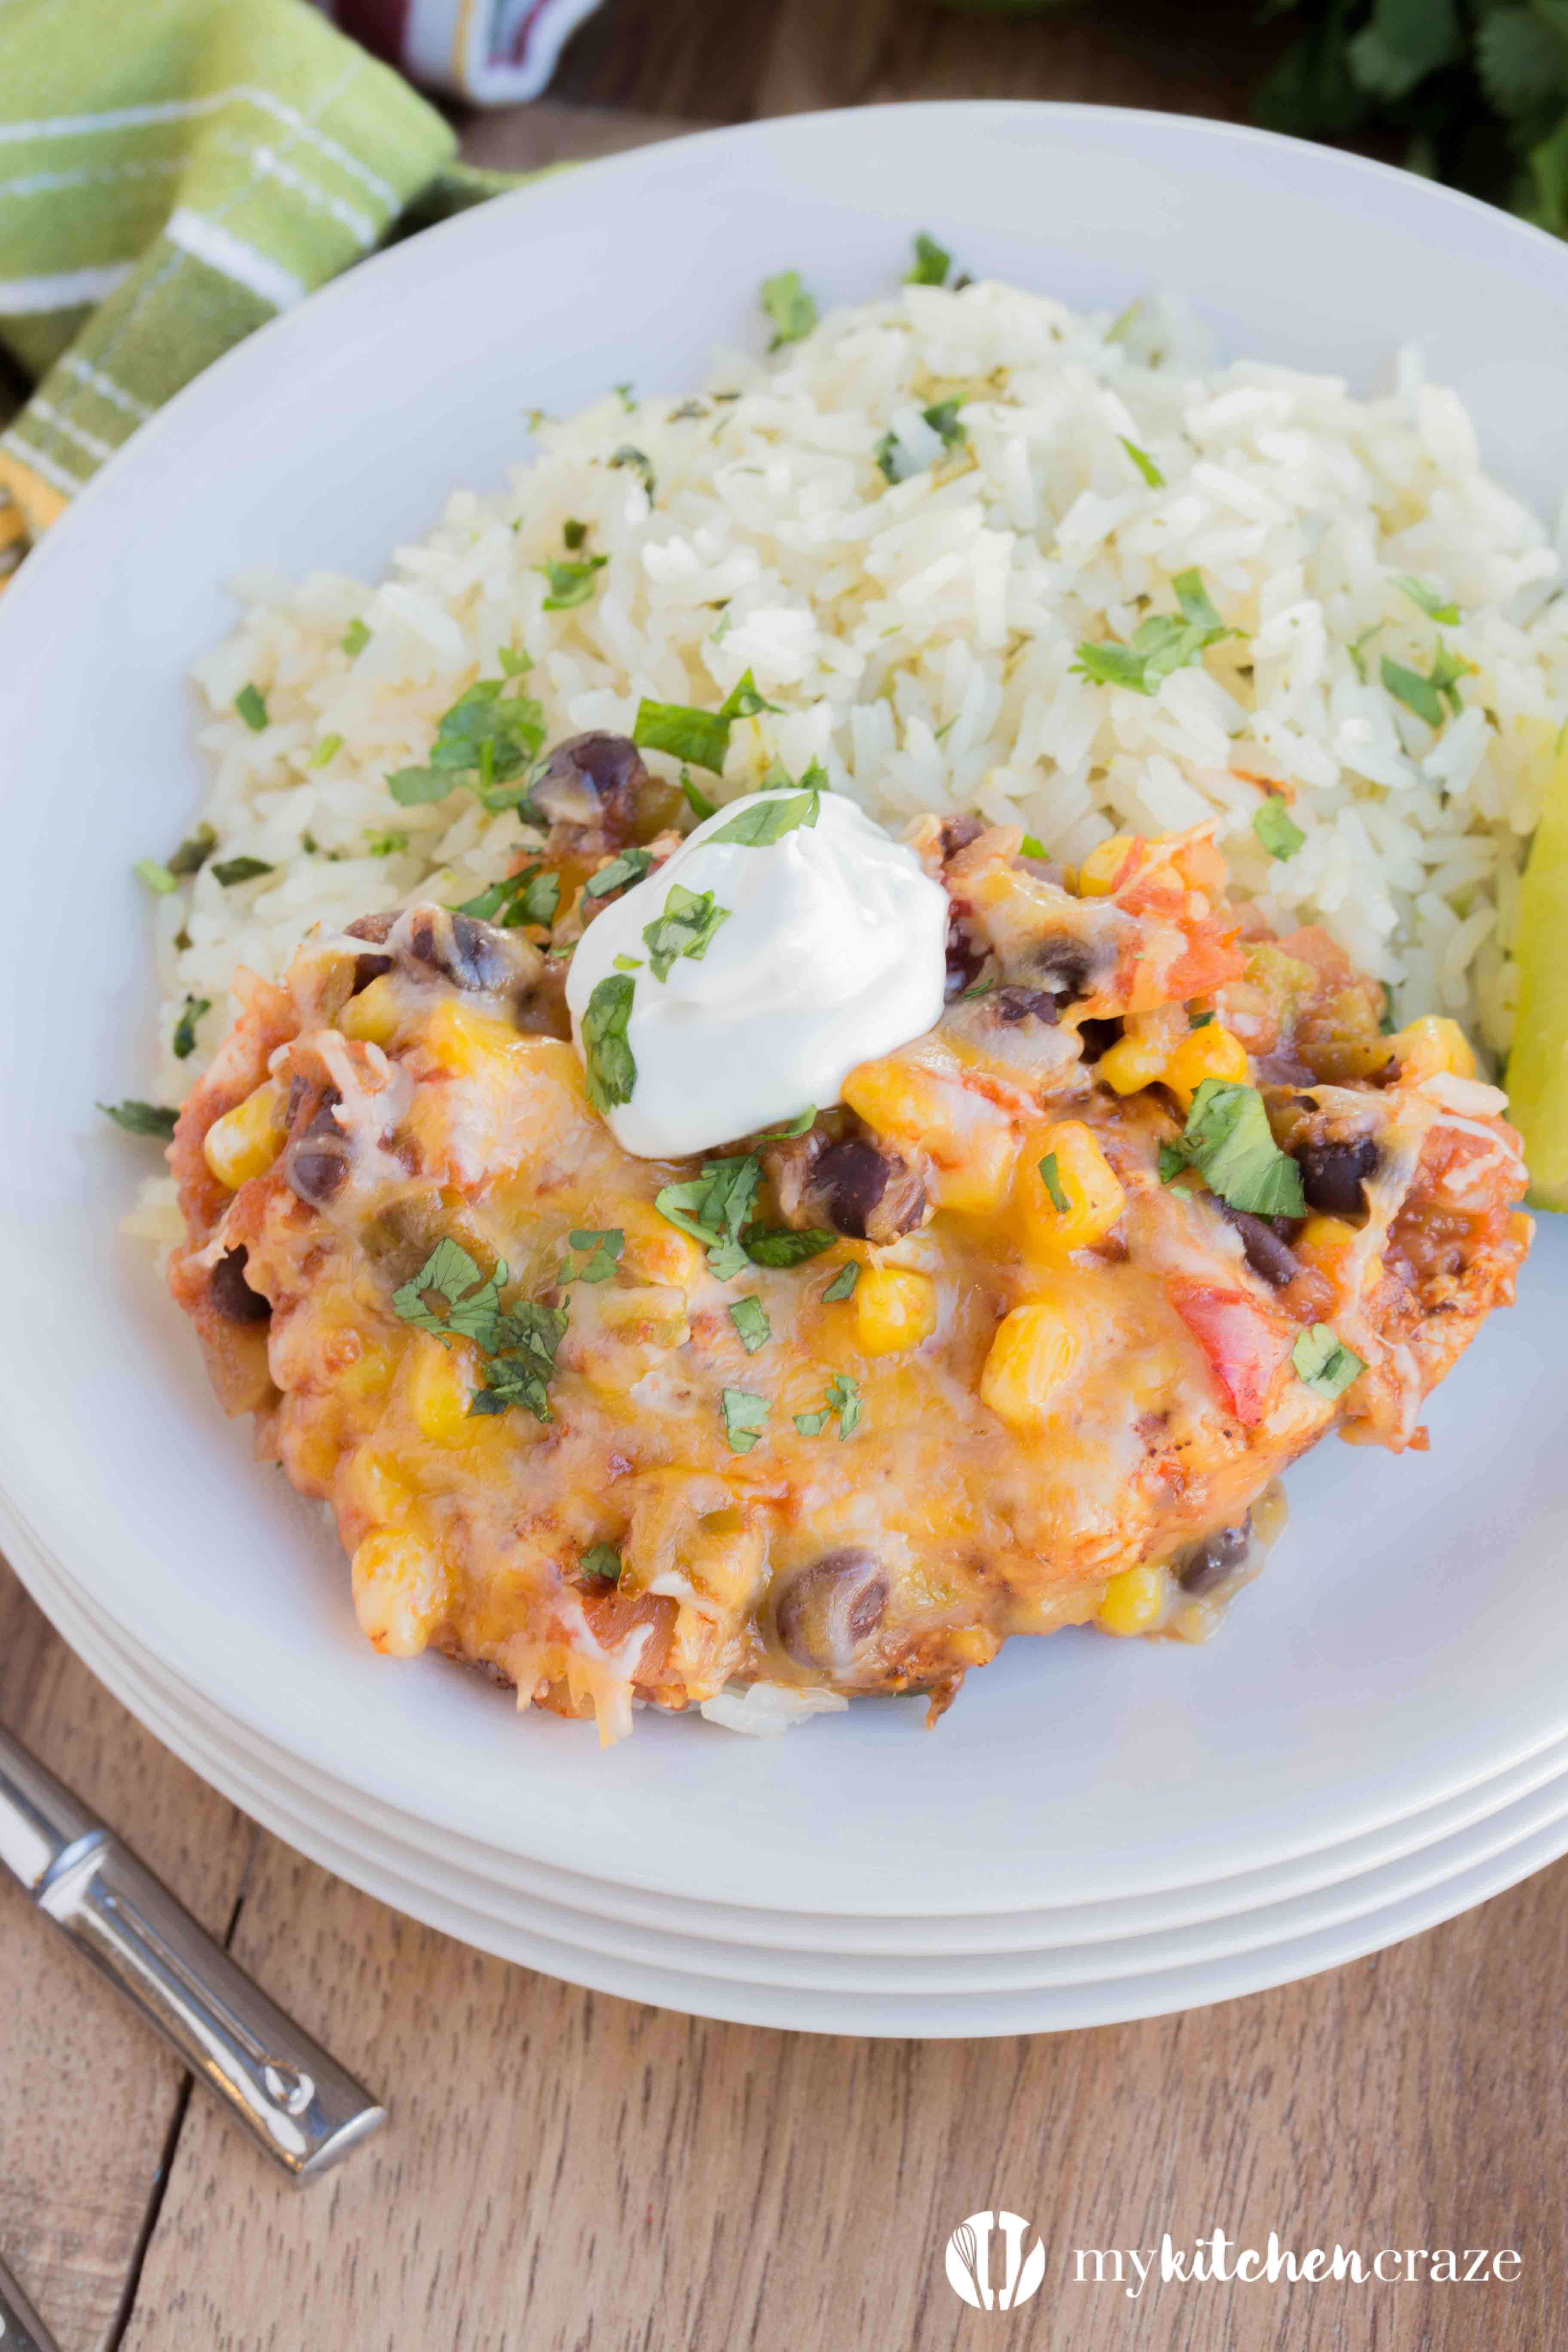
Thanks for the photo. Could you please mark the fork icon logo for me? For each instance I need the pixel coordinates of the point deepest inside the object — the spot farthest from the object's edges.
(986, 2265)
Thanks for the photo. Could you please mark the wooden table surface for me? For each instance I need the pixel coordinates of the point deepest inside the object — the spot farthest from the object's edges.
(567, 2171)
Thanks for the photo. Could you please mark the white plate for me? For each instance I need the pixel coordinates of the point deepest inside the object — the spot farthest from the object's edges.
(504, 1881)
(1411, 1637)
(1099, 1986)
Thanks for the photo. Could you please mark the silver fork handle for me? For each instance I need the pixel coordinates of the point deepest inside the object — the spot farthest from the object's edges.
(21, 2329)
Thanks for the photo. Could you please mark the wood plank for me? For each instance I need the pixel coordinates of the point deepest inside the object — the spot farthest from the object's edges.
(697, 59)
(87, 2095)
(527, 138)
(565, 2170)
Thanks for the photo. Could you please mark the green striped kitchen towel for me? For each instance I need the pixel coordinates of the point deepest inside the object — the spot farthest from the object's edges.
(172, 174)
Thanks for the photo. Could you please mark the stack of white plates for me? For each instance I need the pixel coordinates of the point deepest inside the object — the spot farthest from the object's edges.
(1097, 1829)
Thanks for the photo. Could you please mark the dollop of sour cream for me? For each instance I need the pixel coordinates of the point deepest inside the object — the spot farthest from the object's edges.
(831, 949)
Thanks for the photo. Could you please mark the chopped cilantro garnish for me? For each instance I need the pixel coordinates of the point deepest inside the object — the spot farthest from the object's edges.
(1160, 646)
(767, 821)
(745, 1417)
(842, 1283)
(354, 639)
(786, 1245)
(193, 852)
(1144, 463)
(142, 1118)
(697, 801)
(841, 1397)
(1355, 649)
(942, 417)
(932, 263)
(1050, 1177)
(712, 1206)
(230, 870)
(1032, 847)
(251, 708)
(1324, 1363)
(482, 744)
(327, 749)
(185, 1037)
(603, 1560)
(519, 1344)
(1427, 696)
(470, 1298)
(532, 897)
(789, 306)
(686, 928)
(1276, 827)
(604, 1251)
(700, 736)
(1433, 603)
(751, 1321)
(571, 583)
(619, 874)
(624, 392)
(802, 1124)
(1227, 1139)
(155, 878)
(573, 533)
(518, 1371)
(513, 664)
(629, 963)
(1200, 1020)
(611, 1069)
(386, 845)
(637, 459)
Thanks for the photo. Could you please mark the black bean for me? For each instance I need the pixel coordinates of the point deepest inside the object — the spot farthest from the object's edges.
(316, 1164)
(829, 1610)
(1332, 1174)
(1014, 1005)
(232, 1295)
(958, 832)
(1064, 964)
(851, 1178)
(589, 778)
(463, 949)
(1216, 1560)
(1097, 1038)
(1267, 1250)
(371, 967)
(965, 957)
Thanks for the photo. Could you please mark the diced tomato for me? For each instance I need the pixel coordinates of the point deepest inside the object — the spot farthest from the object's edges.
(1245, 1346)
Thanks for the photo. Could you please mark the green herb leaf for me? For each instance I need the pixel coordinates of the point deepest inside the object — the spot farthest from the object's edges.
(801, 1124)
(1050, 1177)
(385, 844)
(697, 801)
(415, 787)
(629, 963)
(573, 533)
(1433, 603)
(789, 306)
(1200, 1020)
(571, 583)
(251, 708)
(610, 1065)
(193, 852)
(1228, 1140)
(786, 1245)
(1276, 827)
(624, 392)
(713, 1206)
(702, 736)
(942, 418)
(1417, 693)
(1030, 847)
(619, 874)
(513, 664)
(532, 897)
(638, 461)
(751, 1321)
(604, 1254)
(745, 1418)
(842, 1283)
(230, 870)
(932, 263)
(326, 750)
(185, 1037)
(1144, 463)
(518, 1372)
(1448, 669)
(1160, 646)
(142, 1118)
(603, 1560)
(686, 928)
(155, 878)
(1324, 1363)
(767, 821)
(354, 639)
(470, 1299)
(483, 744)
(1355, 649)
(841, 1397)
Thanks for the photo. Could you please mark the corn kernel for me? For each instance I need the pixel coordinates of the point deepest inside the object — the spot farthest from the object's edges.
(372, 1016)
(367, 1375)
(1030, 1359)
(399, 1592)
(970, 1143)
(1096, 875)
(897, 1097)
(377, 1488)
(1433, 1044)
(1140, 1056)
(1135, 1601)
(657, 1249)
(247, 1139)
(894, 1309)
(1086, 1180)
(1324, 1243)
(470, 1044)
(438, 1394)
(1208, 1052)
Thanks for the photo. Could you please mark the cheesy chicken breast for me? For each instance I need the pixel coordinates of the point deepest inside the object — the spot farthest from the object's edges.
(1016, 1332)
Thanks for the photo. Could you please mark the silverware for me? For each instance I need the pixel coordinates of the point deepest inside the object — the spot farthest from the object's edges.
(292, 2097)
(21, 2329)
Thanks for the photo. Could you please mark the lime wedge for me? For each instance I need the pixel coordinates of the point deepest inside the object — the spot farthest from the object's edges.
(1538, 1068)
